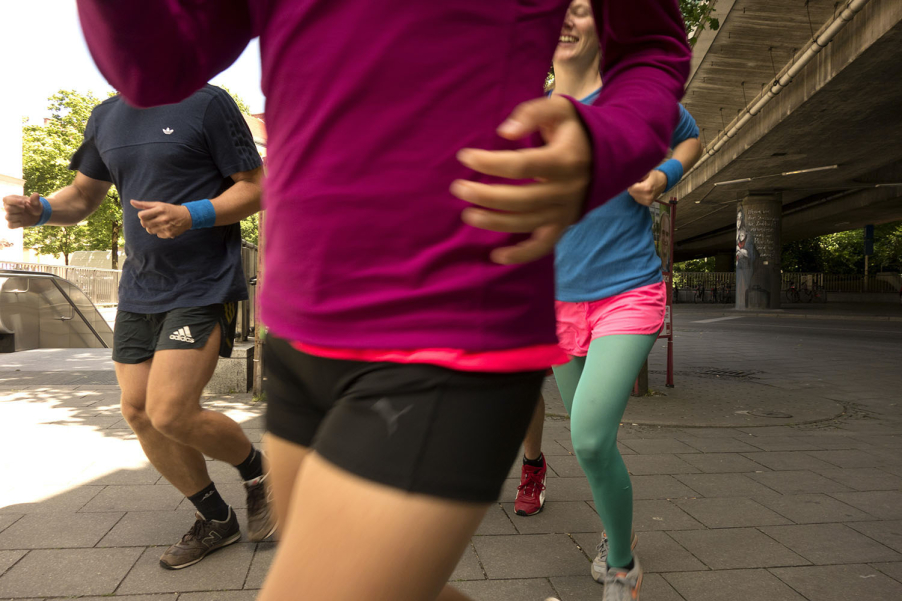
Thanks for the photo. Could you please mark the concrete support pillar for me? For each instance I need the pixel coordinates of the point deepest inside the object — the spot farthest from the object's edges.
(759, 246)
(724, 262)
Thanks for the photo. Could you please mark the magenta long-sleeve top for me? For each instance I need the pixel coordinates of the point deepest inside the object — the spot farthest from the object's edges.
(367, 103)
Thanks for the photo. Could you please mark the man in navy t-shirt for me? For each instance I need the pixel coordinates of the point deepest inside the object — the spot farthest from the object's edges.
(187, 173)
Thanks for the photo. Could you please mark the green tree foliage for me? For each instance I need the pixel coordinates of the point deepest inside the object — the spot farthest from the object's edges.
(242, 105)
(47, 149)
(843, 252)
(697, 16)
(706, 265)
(839, 253)
(250, 229)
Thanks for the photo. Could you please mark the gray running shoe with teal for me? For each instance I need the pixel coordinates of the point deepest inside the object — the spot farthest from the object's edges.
(599, 566)
(623, 585)
(204, 537)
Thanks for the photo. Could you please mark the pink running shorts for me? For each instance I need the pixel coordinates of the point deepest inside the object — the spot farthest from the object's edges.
(638, 311)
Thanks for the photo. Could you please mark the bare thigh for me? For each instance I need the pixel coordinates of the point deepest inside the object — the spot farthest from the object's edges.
(351, 539)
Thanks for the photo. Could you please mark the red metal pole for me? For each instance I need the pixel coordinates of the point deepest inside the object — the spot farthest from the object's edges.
(670, 384)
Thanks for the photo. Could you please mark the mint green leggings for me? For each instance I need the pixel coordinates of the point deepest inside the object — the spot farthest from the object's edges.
(595, 390)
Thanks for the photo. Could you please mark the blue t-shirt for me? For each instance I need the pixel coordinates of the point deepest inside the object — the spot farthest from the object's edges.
(174, 153)
(612, 249)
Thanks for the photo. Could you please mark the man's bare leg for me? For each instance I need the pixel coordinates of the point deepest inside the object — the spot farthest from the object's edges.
(181, 465)
(177, 379)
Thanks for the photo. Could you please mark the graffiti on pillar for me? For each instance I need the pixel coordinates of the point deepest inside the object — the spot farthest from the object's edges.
(757, 254)
(746, 255)
(762, 224)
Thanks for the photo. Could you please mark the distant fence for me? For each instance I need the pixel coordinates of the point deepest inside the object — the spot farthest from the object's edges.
(692, 286)
(100, 285)
(247, 309)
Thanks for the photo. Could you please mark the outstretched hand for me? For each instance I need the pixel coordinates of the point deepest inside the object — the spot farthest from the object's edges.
(163, 219)
(561, 169)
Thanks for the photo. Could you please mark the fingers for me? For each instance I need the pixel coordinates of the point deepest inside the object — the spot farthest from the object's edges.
(561, 170)
(533, 115)
(541, 243)
(544, 162)
(510, 223)
(515, 198)
(143, 204)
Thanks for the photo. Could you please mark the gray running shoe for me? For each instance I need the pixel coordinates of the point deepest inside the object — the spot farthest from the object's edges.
(261, 519)
(599, 566)
(620, 585)
(204, 537)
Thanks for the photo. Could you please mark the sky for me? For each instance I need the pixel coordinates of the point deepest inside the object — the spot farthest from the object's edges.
(42, 50)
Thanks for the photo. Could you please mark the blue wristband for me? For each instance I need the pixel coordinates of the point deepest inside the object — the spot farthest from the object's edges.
(202, 213)
(673, 169)
(46, 212)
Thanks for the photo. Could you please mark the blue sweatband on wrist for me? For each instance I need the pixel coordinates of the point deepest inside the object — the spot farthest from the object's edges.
(202, 213)
(673, 169)
(46, 212)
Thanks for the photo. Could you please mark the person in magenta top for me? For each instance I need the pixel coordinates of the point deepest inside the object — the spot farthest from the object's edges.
(408, 289)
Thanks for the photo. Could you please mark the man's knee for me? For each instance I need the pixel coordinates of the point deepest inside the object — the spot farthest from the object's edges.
(170, 419)
(134, 412)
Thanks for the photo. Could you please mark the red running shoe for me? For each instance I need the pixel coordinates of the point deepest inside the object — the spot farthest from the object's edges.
(531, 492)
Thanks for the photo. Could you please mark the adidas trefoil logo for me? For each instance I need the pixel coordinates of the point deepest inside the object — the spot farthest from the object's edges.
(182, 334)
(168, 131)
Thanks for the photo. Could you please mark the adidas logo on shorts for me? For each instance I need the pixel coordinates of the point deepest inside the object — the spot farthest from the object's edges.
(182, 334)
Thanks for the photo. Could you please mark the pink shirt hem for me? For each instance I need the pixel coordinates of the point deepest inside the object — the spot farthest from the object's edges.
(530, 358)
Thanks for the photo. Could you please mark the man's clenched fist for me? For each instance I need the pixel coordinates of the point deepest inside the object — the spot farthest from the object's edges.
(163, 219)
(22, 211)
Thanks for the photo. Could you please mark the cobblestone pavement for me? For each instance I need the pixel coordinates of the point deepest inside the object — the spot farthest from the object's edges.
(741, 514)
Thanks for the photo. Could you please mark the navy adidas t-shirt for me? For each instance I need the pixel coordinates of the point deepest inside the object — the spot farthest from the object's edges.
(174, 153)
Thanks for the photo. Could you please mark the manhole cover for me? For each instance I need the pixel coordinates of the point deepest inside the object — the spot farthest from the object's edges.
(728, 373)
(777, 414)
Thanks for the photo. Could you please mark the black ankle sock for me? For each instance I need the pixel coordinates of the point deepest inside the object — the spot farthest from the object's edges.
(538, 462)
(252, 466)
(210, 504)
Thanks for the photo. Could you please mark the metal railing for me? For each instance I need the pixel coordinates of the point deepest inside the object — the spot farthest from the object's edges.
(100, 285)
(247, 309)
(832, 282)
(704, 287)
(717, 286)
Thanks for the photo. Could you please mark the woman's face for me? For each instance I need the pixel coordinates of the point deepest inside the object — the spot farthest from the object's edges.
(579, 40)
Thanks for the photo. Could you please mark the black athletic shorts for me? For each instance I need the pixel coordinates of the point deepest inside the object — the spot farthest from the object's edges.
(419, 428)
(137, 336)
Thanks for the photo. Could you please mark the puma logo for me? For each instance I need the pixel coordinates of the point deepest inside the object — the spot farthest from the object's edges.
(384, 408)
(168, 131)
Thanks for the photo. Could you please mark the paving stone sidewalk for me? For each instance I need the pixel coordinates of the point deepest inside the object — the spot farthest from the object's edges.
(779, 513)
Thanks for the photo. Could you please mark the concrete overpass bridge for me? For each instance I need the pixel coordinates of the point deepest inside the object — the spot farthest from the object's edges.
(799, 104)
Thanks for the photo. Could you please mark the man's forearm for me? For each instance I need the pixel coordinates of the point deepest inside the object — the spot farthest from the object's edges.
(240, 201)
(69, 205)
